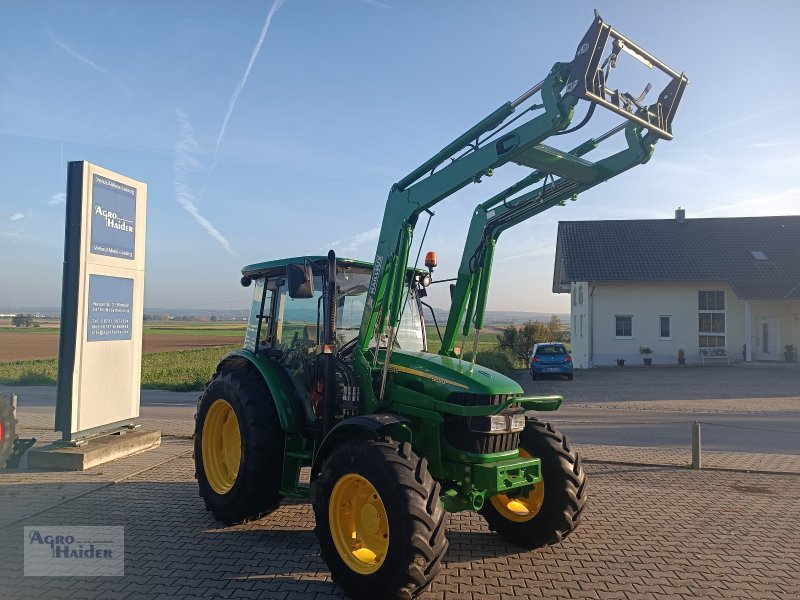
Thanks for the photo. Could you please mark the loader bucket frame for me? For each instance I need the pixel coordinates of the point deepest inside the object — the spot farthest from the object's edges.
(589, 81)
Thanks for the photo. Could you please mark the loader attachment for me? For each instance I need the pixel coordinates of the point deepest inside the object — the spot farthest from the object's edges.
(588, 79)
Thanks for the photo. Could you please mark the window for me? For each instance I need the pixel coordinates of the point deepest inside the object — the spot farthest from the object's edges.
(711, 319)
(623, 326)
(665, 327)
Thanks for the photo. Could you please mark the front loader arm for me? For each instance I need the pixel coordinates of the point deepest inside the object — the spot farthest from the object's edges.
(482, 148)
(505, 210)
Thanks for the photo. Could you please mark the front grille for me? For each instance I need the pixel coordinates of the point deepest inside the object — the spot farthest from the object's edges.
(478, 399)
(458, 434)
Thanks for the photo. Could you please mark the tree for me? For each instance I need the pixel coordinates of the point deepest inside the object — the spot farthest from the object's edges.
(517, 342)
(22, 320)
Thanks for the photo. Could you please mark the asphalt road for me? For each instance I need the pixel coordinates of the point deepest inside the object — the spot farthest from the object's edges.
(769, 433)
(626, 407)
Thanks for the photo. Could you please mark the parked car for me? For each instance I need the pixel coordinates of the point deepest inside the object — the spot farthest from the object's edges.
(550, 358)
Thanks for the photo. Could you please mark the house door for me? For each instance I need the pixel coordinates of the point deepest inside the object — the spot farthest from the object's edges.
(767, 339)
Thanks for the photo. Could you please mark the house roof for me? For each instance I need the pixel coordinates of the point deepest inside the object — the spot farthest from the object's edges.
(759, 257)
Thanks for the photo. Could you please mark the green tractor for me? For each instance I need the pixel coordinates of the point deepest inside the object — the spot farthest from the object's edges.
(335, 397)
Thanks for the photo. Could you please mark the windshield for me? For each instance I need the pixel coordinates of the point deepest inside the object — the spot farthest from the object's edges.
(353, 295)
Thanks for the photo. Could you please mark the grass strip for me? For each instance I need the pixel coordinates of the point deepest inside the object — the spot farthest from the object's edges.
(181, 371)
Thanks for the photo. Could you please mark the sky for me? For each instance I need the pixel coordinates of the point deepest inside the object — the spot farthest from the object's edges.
(267, 129)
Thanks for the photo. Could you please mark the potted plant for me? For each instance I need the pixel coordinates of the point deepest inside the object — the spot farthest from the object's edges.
(620, 362)
(788, 352)
(681, 356)
(646, 351)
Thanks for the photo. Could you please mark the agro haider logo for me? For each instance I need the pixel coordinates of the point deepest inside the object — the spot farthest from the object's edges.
(113, 220)
(65, 546)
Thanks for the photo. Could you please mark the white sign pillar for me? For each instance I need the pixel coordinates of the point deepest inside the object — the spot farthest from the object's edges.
(100, 349)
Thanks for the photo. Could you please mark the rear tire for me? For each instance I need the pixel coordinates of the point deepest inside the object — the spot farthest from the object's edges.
(565, 492)
(379, 503)
(8, 430)
(238, 448)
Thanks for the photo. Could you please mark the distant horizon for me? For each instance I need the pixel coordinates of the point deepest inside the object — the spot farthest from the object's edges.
(53, 310)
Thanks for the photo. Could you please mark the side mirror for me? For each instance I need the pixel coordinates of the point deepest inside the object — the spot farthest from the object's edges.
(300, 280)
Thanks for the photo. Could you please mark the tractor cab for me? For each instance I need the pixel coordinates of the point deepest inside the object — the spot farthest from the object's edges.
(288, 320)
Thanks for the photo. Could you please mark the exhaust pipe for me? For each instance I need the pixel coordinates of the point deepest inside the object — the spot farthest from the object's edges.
(329, 348)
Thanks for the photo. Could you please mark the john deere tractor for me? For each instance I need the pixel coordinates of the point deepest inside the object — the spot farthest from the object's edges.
(335, 396)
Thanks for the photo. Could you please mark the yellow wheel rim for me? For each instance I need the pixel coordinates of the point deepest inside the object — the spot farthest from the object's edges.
(222, 446)
(358, 522)
(520, 508)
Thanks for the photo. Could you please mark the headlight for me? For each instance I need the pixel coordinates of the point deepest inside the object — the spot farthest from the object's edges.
(497, 423)
(518, 422)
(502, 423)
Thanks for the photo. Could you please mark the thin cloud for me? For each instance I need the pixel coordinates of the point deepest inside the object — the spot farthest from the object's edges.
(186, 164)
(240, 86)
(19, 224)
(783, 202)
(377, 4)
(352, 243)
(764, 145)
(81, 58)
(57, 199)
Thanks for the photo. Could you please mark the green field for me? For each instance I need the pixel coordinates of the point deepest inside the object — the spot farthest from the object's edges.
(177, 371)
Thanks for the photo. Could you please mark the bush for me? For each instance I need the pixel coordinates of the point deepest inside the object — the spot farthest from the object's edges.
(494, 360)
(517, 342)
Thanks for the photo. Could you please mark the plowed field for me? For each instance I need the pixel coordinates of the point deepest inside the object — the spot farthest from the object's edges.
(44, 344)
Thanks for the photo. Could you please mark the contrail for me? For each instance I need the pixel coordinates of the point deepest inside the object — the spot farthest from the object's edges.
(80, 57)
(238, 90)
(240, 86)
(185, 164)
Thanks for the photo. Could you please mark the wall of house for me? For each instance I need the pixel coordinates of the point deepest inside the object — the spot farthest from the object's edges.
(594, 307)
(579, 324)
(645, 304)
(788, 312)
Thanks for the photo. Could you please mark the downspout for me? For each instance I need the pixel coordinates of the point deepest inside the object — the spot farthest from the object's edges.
(748, 332)
(590, 325)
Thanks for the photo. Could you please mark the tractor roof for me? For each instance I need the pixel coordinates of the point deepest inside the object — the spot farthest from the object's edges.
(275, 267)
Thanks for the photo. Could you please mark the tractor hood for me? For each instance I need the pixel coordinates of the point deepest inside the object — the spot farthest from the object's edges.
(439, 376)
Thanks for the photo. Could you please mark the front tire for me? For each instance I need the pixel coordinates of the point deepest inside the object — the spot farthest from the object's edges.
(238, 448)
(554, 508)
(379, 521)
(8, 430)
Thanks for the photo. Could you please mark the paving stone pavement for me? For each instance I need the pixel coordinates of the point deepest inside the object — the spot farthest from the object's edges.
(649, 532)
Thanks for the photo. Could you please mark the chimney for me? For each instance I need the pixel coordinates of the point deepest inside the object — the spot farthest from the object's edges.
(680, 215)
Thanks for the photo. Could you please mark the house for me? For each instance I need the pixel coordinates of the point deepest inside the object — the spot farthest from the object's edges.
(726, 288)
